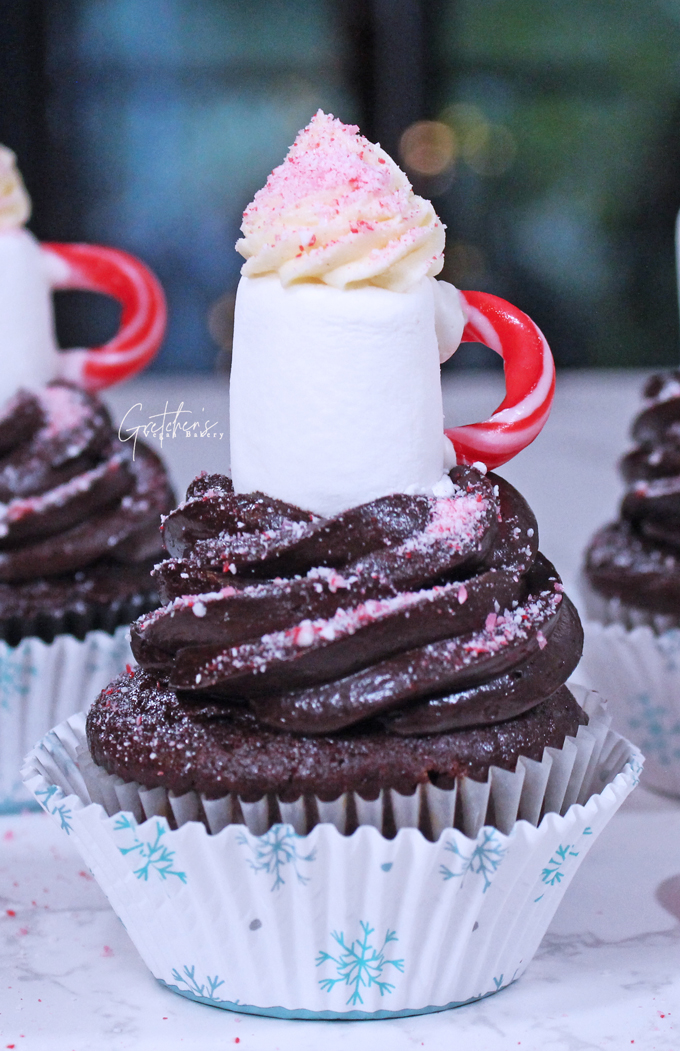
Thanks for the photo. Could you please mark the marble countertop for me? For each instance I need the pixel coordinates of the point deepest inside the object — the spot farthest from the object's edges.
(607, 974)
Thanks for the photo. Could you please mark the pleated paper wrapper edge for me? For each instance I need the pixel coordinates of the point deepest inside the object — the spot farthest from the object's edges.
(43, 683)
(638, 669)
(267, 920)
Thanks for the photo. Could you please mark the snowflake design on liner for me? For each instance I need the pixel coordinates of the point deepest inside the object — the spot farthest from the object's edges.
(635, 769)
(62, 813)
(554, 871)
(484, 859)
(155, 855)
(273, 851)
(662, 733)
(360, 965)
(14, 679)
(668, 645)
(206, 989)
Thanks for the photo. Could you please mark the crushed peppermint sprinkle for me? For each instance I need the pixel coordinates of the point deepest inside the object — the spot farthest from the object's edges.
(332, 578)
(65, 410)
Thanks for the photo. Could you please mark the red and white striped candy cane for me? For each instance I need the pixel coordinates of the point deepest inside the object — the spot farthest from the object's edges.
(118, 274)
(529, 381)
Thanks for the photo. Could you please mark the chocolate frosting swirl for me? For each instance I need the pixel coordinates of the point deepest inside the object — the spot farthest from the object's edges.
(637, 558)
(70, 492)
(423, 613)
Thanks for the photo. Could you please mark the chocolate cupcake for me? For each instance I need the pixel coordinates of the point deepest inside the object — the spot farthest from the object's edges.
(79, 518)
(632, 572)
(410, 639)
(341, 782)
(79, 535)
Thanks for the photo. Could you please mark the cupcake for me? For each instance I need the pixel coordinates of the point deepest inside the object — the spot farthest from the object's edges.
(79, 513)
(347, 778)
(632, 590)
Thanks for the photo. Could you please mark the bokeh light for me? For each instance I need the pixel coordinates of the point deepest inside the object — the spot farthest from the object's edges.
(428, 147)
(487, 148)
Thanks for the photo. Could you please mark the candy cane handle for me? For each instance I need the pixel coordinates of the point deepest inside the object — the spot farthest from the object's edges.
(97, 269)
(529, 381)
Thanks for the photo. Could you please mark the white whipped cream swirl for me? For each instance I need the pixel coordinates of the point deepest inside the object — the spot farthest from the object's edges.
(15, 204)
(340, 211)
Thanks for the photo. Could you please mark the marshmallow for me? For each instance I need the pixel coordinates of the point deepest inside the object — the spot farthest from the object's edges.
(28, 349)
(335, 394)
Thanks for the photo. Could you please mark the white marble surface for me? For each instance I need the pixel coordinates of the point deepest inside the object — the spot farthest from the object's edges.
(607, 975)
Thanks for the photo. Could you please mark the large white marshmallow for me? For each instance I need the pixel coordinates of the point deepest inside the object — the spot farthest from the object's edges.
(335, 394)
(28, 350)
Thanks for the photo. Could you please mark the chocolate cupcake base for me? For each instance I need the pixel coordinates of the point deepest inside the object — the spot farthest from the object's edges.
(101, 597)
(141, 730)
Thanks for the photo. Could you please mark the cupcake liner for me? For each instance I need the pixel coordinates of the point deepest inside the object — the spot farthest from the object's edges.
(232, 910)
(42, 683)
(639, 667)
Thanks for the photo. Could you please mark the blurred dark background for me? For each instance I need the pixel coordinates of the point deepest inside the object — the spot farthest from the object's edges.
(546, 132)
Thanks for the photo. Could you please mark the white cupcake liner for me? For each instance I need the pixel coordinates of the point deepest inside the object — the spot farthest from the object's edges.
(639, 669)
(326, 925)
(41, 684)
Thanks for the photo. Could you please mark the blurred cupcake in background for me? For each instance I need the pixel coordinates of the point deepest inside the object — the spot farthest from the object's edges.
(79, 512)
(632, 591)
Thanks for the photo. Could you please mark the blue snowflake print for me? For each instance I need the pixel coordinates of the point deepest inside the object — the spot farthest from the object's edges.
(360, 965)
(62, 813)
(273, 851)
(554, 871)
(635, 769)
(484, 859)
(659, 730)
(669, 647)
(13, 680)
(155, 855)
(205, 989)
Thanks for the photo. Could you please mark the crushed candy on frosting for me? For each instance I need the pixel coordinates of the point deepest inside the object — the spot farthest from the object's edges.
(340, 211)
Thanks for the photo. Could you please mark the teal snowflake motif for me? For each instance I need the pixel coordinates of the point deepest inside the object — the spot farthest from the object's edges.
(554, 871)
(13, 680)
(635, 769)
(155, 855)
(661, 733)
(205, 989)
(669, 647)
(360, 965)
(274, 850)
(484, 859)
(499, 983)
(62, 813)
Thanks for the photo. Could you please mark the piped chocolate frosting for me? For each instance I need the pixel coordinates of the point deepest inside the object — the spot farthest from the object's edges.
(425, 613)
(637, 558)
(79, 517)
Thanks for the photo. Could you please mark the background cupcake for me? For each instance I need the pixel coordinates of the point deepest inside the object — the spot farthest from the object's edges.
(79, 514)
(632, 591)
